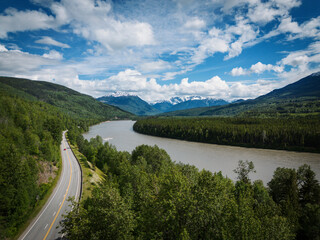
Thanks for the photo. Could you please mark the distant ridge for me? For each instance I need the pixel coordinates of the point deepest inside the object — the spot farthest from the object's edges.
(136, 105)
(133, 104)
(301, 97)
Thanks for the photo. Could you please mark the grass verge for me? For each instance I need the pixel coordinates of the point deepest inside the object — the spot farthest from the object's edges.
(91, 175)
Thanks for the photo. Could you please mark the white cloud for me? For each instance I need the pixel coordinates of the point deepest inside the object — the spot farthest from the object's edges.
(238, 71)
(194, 24)
(263, 13)
(208, 47)
(17, 62)
(260, 68)
(155, 66)
(49, 41)
(287, 25)
(257, 68)
(308, 29)
(93, 21)
(3, 48)
(53, 54)
(15, 21)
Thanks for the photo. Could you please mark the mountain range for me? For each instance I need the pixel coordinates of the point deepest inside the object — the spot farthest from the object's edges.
(299, 98)
(136, 105)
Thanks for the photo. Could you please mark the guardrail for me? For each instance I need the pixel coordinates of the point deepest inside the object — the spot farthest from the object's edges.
(79, 166)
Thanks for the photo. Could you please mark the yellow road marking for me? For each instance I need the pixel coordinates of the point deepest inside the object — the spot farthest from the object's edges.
(64, 196)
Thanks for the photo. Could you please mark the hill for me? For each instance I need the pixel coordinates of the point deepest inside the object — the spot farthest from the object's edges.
(132, 104)
(299, 98)
(71, 102)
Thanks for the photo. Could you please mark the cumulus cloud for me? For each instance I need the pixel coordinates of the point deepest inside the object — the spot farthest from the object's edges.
(260, 68)
(50, 41)
(287, 25)
(263, 13)
(53, 54)
(48, 68)
(238, 71)
(93, 21)
(16, 21)
(90, 19)
(257, 68)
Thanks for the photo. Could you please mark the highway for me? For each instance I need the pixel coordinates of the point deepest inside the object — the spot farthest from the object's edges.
(44, 226)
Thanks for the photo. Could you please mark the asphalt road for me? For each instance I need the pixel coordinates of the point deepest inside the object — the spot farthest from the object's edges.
(44, 226)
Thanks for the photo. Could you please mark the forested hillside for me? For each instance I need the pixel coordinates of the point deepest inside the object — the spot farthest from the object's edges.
(30, 135)
(278, 133)
(73, 103)
(147, 196)
(32, 118)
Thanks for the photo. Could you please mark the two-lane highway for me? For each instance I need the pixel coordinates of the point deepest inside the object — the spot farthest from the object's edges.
(44, 226)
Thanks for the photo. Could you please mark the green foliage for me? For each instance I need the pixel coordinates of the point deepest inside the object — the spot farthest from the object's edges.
(72, 103)
(103, 216)
(297, 194)
(30, 132)
(160, 199)
(243, 170)
(33, 115)
(278, 133)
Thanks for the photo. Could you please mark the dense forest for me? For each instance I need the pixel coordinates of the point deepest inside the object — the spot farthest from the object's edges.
(299, 133)
(72, 103)
(32, 118)
(147, 196)
(30, 134)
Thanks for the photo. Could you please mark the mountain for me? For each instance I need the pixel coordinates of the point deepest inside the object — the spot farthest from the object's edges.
(136, 105)
(71, 102)
(178, 103)
(132, 104)
(163, 106)
(299, 98)
(196, 103)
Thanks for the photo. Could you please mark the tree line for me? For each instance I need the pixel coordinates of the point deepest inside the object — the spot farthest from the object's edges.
(277, 133)
(148, 196)
(30, 134)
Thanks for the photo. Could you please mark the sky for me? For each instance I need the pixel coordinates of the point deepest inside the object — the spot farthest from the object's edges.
(158, 49)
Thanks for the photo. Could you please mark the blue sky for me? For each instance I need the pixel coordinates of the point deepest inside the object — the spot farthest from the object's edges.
(227, 49)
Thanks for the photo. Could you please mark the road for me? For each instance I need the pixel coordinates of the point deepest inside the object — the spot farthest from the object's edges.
(44, 226)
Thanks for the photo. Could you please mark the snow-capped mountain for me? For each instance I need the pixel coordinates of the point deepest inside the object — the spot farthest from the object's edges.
(136, 105)
(119, 94)
(181, 103)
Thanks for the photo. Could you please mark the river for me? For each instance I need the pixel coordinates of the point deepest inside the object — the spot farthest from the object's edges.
(206, 156)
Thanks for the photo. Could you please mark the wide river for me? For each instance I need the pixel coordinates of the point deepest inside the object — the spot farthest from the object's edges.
(206, 156)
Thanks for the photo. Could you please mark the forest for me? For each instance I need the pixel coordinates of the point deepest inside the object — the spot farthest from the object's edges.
(33, 115)
(148, 196)
(296, 133)
(30, 136)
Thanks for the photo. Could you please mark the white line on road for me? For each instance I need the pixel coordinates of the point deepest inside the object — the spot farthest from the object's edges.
(46, 226)
(54, 214)
(45, 207)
